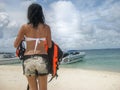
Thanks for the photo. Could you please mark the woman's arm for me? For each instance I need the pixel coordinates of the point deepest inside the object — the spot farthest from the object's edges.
(19, 37)
(49, 41)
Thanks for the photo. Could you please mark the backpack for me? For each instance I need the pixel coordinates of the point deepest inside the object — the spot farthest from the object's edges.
(20, 50)
(55, 55)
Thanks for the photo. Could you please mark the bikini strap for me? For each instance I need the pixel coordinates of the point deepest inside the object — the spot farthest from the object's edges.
(37, 41)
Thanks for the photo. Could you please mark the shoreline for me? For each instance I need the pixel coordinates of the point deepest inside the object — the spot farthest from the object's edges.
(95, 69)
(12, 78)
(91, 69)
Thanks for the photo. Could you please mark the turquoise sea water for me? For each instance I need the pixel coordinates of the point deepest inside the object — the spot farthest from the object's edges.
(99, 59)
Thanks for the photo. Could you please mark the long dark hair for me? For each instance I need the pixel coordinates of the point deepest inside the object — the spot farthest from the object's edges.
(35, 15)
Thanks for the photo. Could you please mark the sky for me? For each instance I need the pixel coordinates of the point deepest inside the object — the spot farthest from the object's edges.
(75, 24)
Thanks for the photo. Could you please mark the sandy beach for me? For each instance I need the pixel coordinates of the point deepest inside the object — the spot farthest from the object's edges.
(11, 78)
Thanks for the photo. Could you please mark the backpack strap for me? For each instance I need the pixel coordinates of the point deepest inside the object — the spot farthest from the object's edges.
(55, 59)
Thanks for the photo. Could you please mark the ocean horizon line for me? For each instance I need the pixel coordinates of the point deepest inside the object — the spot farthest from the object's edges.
(4, 52)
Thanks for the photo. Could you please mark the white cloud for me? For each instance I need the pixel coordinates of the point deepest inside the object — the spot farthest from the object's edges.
(65, 21)
(3, 19)
(92, 28)
(111, 12)
(75, 24)
(8, 30)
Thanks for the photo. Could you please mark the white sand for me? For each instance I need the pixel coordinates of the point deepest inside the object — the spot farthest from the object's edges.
(11, 78)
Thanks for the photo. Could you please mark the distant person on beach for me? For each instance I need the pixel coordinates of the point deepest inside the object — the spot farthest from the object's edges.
(35, 33)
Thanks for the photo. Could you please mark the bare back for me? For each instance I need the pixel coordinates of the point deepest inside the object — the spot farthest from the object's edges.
(27, 31)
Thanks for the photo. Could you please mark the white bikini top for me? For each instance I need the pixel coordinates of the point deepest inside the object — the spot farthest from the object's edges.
(36, 39)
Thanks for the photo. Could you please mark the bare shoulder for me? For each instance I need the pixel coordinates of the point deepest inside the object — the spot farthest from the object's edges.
(47, 27)
(24, 26)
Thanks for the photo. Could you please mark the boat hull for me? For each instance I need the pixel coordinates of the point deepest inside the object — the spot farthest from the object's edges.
(72, 59)
(4, 61)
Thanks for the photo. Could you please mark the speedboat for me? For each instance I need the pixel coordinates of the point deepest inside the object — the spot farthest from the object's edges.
(5, 61)
(8, 58)
(9, 55)
(72, 57)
